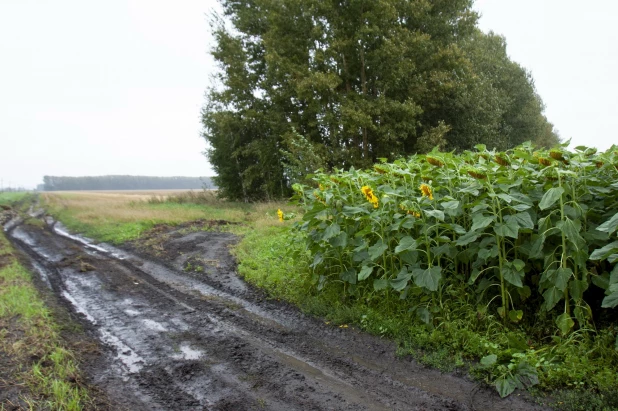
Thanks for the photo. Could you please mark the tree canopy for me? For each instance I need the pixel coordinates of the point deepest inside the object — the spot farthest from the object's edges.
(341, 83)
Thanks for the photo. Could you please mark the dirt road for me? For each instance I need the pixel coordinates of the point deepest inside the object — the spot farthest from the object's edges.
(178, 330)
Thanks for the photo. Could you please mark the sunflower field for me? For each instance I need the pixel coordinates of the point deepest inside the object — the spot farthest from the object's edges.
(529, 236)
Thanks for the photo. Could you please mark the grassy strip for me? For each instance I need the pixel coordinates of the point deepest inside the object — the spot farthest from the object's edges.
(28, 331)
(456, 342)
(117, 218)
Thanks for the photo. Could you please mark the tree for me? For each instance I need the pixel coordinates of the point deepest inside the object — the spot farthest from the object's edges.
(358, 81)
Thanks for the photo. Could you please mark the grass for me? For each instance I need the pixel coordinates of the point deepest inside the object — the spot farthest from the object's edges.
(119, 217)
(30, 337)
(11, 197)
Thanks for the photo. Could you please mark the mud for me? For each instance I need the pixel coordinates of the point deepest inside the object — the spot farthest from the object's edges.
(178, 329)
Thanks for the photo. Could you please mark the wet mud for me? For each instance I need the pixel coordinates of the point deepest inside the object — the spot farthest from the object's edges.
(178, 329)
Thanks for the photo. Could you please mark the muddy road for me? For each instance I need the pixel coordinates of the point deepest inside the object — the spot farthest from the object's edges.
(179, 330)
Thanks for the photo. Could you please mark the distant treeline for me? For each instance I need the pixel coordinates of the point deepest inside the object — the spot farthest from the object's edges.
(56, 183)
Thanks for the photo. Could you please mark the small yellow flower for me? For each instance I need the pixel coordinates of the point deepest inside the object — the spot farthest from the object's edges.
(426, 190)
(321, 187)
(280, 214)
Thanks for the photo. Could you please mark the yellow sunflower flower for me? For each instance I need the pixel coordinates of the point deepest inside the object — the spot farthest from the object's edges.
(368, 192)
(280, 214)
(426, 190)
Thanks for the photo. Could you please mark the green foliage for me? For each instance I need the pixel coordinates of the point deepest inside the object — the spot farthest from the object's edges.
(358, 81)
(527, 236)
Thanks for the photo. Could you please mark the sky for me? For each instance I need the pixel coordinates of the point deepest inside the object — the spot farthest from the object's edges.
(116, 87)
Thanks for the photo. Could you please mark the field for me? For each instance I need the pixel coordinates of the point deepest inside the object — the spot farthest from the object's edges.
(454, 327)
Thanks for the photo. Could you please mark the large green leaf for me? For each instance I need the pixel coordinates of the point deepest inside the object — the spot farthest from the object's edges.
(450, 205)
(349, 276)
(561, 278)
(610, 225)
(565, 323)
(577, 288)
(353, 211)
(489, 360)
(508, 229)
(406, 243)
(480, 221)
(364, 273)
(571, 231)
(380, 284)
(505, 385)
(402, 280)
(512, 274)
(467, 238)
(438, 214)
(331, 231)
(610, 301)
(552, 295)
(428, 278)
(376, 250)
(522, 220)
(604, 252)
(550, 197)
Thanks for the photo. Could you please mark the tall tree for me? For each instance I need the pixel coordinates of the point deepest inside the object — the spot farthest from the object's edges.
(358, 80)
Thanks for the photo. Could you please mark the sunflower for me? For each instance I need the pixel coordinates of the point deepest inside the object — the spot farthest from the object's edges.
(368, 192)
(280, 214)
(426, 190)
(544, 161)
(434, 161)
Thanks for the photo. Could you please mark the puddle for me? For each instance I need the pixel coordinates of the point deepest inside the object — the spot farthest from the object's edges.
(12, 223)
(153, 325)
(60, 229)
(20, 234)
(188, 353)
(132, 313)
(124, 353)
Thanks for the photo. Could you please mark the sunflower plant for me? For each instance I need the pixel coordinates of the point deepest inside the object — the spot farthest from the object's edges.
(527, 235)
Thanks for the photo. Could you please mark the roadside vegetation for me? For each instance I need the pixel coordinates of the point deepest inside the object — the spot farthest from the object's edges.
(38, 370)
(124, 216)
(7, 198)
(503, 257)
(500, 264)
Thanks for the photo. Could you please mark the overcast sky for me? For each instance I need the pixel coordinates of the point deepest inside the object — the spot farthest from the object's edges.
(116, 87)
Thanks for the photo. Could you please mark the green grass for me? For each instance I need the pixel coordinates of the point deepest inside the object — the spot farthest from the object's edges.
(11, 197)
(28, 330)
(117, 218)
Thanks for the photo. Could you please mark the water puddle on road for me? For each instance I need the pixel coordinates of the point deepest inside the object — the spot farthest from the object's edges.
(187, 353)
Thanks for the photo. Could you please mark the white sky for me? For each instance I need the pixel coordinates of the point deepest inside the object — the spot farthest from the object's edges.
(116, 87)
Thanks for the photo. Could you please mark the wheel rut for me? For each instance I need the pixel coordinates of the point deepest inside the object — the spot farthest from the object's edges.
(180, 330)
